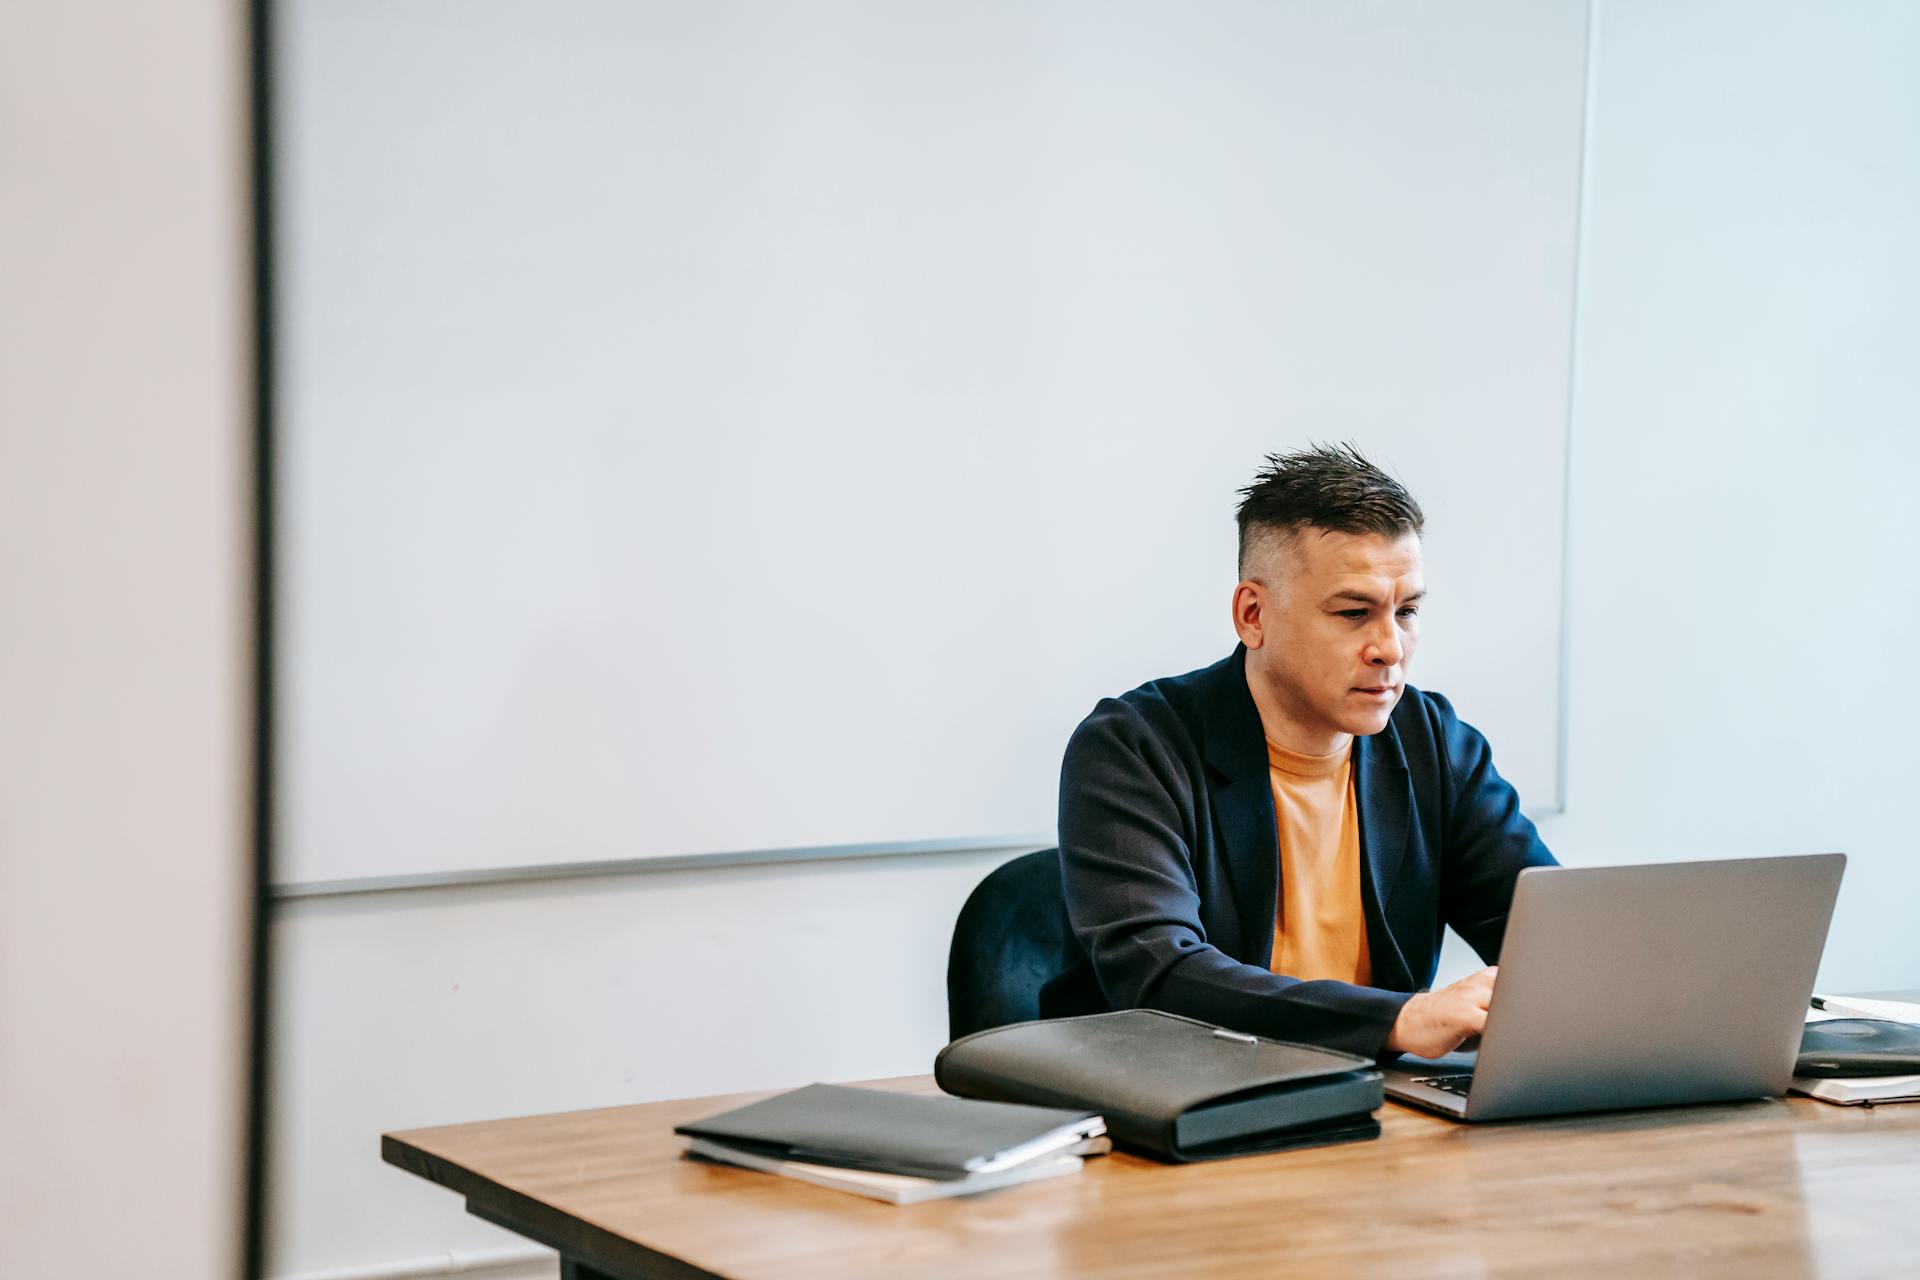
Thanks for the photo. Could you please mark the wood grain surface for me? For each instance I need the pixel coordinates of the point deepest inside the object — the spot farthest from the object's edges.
(1783, 1187)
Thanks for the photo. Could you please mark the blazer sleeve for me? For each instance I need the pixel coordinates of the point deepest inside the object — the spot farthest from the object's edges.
(1488, 842)
(1127, 803)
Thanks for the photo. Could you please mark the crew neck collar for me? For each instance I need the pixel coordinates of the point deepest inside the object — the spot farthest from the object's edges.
(1306, 766)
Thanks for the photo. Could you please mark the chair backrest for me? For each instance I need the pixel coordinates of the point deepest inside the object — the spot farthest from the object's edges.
(1011, 940)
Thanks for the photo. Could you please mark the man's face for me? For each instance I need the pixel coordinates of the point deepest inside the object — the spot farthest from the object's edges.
(1330, 623)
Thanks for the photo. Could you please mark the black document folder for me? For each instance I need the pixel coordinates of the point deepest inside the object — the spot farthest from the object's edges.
(876, 1129)
(1851, 1047)
(1171, 1086)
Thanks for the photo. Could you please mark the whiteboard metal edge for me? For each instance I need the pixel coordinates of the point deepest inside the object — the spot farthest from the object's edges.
(539, 871)
(637, 866)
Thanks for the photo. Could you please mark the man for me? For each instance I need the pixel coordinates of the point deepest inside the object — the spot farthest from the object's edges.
(1274, 843)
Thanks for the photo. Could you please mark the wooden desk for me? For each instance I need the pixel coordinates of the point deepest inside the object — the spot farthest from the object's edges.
(1786, 1187)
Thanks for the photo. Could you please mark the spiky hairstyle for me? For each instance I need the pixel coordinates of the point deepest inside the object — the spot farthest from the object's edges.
(1325, 486)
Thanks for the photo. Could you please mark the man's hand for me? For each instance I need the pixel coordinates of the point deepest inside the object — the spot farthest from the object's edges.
(1437, 1022)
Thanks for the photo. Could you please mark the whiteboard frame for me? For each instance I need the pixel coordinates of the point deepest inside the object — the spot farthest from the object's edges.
(357, 886)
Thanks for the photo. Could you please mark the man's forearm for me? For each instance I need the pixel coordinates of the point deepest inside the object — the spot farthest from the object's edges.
(1338, 1015)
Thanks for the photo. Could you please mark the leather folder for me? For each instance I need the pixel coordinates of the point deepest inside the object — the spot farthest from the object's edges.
(1852, 1047)
(888, 1132)
(1171, 1086)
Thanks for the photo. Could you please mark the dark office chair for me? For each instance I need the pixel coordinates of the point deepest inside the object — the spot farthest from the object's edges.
(1014, 957)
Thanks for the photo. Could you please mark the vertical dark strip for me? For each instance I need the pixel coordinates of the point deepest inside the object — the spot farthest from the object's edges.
(260, 145)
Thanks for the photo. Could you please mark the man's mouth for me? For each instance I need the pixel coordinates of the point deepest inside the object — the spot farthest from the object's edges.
(1377, 690)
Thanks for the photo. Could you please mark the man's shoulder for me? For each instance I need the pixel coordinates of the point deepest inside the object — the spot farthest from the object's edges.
(1171, 708)
(1179, 694)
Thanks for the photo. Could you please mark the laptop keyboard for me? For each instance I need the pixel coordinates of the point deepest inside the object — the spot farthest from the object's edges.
(1455, 1084)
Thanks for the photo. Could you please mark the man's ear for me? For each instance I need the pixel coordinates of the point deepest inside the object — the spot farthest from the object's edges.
(1249, 613)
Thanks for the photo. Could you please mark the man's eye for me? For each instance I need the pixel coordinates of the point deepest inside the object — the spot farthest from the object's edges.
(1353, 615)
(1411, 611)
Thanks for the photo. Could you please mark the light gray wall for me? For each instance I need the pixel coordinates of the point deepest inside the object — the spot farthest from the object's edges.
(432, 1007)
(125, 869)
(1739, 555)
(1747, 433)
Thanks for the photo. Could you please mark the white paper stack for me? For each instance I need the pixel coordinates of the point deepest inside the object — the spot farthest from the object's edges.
(900, 1188)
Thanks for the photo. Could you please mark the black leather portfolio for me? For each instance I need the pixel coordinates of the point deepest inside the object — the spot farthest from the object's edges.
(1852, 1047)
(877, 1129)
(1170, 1086)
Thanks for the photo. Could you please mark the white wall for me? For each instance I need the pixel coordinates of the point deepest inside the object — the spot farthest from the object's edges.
(1739, 557)
(1747, 434)
(125, 871)
(434, 1006)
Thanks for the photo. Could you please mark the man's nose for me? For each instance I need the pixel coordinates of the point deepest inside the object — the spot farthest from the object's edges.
(1383, 646)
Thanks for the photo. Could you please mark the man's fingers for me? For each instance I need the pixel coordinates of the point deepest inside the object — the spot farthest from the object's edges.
(1486, 990)
(1478, 984)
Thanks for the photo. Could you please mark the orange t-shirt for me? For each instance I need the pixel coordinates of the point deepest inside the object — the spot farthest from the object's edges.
(1319, 926)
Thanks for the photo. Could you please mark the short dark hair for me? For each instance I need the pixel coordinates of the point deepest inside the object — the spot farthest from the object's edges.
(1324, 486)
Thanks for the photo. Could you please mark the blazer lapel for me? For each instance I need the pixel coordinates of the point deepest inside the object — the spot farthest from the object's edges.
(1236, 747)
(1383, 792)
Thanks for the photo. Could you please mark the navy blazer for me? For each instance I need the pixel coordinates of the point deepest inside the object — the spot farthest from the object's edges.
(1171, 860)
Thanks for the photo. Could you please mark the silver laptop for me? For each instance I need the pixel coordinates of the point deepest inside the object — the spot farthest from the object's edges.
(1641, 986)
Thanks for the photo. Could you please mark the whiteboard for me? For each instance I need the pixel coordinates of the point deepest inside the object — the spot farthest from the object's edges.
(713, 427)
